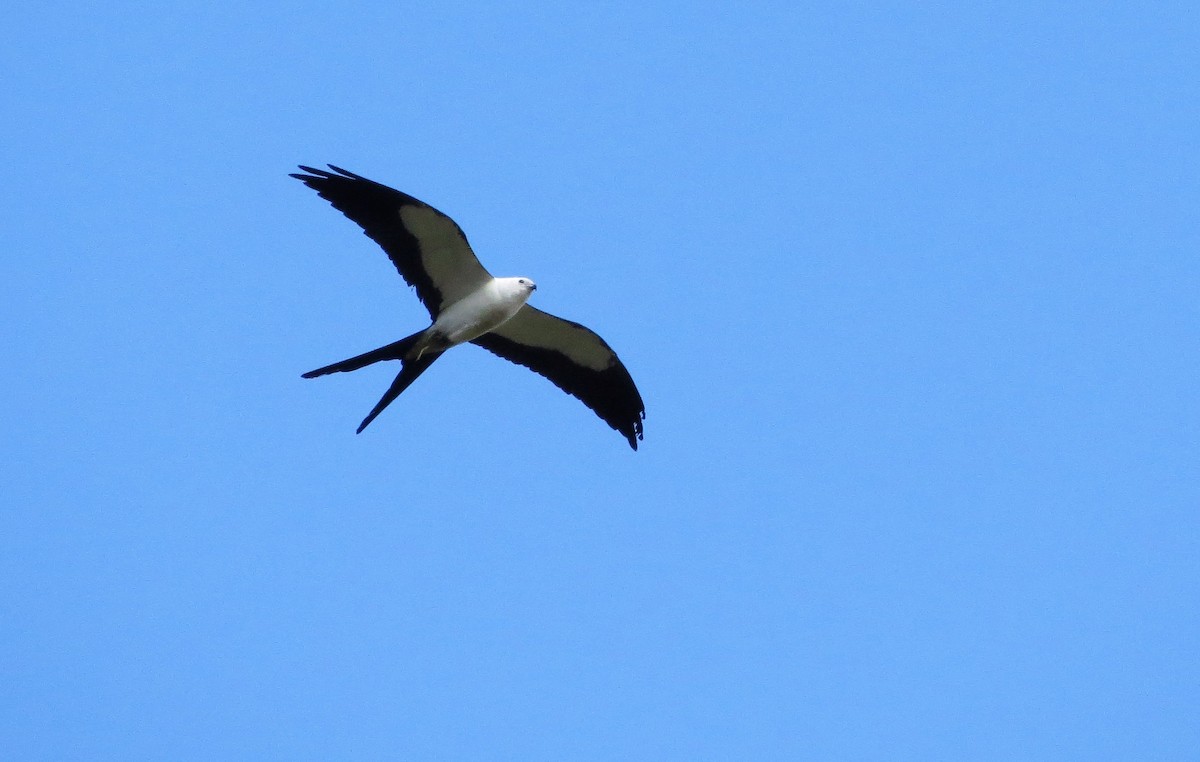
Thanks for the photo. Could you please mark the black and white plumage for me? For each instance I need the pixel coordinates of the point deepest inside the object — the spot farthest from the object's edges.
(467, 304)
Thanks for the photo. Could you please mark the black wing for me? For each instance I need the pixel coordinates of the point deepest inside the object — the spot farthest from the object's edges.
(577, 361)
(427, 247)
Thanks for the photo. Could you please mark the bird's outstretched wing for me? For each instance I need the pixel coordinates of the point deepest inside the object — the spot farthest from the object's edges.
(427, 247)
(576, 360)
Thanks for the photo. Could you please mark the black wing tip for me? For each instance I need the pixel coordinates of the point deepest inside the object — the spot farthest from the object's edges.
(312, 173)
(633, 429)
(323, 174)
(316, 178)
(634, 434)
(345, 172)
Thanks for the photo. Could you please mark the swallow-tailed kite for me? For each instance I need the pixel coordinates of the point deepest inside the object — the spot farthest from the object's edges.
(467, 304)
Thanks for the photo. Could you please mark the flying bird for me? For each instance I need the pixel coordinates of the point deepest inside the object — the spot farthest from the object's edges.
(467, 304)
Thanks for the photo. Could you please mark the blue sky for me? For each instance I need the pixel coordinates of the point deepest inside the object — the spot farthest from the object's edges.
(910, 293)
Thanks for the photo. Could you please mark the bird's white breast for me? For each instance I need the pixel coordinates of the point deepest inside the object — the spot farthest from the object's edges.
(482, 310)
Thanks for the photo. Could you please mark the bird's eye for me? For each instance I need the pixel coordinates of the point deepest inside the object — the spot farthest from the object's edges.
(521, 281)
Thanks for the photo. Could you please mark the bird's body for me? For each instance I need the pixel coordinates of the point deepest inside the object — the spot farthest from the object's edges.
(467, 304)
(484, 309)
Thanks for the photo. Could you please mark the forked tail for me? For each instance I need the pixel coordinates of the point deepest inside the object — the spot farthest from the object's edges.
(407, 374)
(394, 351)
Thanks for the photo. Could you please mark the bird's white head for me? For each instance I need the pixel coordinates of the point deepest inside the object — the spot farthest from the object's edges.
(524, 284)
(515, 291)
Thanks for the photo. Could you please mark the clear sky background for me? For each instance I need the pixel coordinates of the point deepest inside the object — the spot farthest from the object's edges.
(910, 293)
